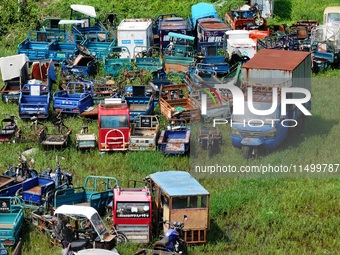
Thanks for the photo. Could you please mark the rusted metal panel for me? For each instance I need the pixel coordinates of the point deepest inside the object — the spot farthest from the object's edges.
(269, 59)
(213, 24)
(175, 23)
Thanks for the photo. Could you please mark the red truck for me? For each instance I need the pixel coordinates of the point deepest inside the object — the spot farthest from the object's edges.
(114, 126)
(132, 213)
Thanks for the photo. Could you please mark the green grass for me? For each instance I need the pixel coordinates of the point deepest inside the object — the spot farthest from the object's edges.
(248, 215)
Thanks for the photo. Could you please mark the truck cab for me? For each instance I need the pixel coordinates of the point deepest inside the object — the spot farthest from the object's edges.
(114, 126)
(254, 132)
(331, 14)
(132, 213)
(177, 196)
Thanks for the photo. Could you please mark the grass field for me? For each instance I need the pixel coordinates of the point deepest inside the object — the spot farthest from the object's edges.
(248, 215)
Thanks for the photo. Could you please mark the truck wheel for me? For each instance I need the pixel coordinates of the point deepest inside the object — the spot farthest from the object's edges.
(258, 21)
(246, 152)
(121, 238)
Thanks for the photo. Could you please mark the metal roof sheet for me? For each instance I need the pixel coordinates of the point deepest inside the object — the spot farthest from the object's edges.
(213, 24)
(178, 183)
(270, 59)
(175, 23)
(134, 24)
(84, 9)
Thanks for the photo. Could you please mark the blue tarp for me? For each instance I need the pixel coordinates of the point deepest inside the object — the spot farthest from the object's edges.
(178, 183)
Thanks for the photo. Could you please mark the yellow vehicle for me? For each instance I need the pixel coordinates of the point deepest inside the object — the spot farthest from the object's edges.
(331, 14)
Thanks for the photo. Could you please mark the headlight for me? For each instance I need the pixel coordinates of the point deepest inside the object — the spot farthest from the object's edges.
(234, 131)
(271, 133)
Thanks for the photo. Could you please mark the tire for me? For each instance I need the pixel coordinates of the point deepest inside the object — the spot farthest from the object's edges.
(247, 152)
(121, 238)
(258, 21)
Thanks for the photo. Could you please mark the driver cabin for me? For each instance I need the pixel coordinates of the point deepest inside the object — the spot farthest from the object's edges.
(179, 197)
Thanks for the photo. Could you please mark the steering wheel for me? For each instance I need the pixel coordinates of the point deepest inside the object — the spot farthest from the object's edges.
(83, 50)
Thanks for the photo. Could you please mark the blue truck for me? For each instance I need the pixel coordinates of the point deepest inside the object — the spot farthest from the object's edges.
(97, 42)
(36, 45)
(263, 73)
(97, 192)
(64, 46)
(116, 59)
(174, 24)
(11, 220)
(34, 101)
(74, 99)
(138, 101)
(175, 138)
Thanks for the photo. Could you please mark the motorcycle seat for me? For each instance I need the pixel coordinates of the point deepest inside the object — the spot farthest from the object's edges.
(79, 244)
(165, 241)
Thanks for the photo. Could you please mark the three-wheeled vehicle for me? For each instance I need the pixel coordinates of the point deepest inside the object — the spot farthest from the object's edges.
(138, 99)
(11, 220)
(209, 137)
(175, 138)
(56, 136)
(144, 133)
(34, 100)
(178, 57)
(177, 196)
(74, 99)
(147, 58)
(114, 125)
(8, 127)
(14, 71)
(175, 102)
(96, 231)
(96, 192)
(132, 212)
(86, 140)
(116, 59)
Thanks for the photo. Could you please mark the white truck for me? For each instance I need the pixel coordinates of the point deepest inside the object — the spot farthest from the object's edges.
(135, 32)
(240, 40)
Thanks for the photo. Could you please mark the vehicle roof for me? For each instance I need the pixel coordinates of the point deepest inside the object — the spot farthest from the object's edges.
(86, 211)
(134, 24)
(173, 23)
(332, 9)
(132, 195)
(202, 10)
(178, 183)
(213, 24)
(270, 59)
(84, 9)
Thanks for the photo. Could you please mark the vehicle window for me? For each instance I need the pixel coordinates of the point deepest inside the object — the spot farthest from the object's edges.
(189, 202)
(133, 210)
(98, 224)
(333, 17)
(119, 121)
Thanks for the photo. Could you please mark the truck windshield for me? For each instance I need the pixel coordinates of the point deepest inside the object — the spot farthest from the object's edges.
(118, 121)
(333, 17)
(249, 116)
(98, 225)
(133, 210)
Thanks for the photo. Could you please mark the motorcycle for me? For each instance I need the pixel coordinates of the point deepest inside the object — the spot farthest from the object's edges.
(172, 241)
